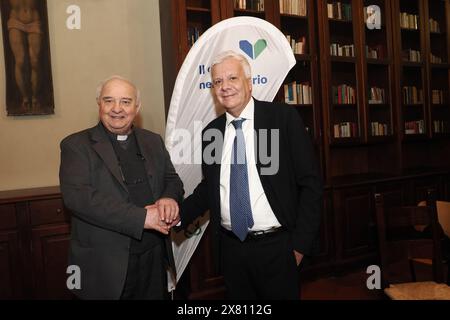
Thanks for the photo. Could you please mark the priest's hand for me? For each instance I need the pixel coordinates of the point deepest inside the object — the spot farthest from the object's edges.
(153, 221)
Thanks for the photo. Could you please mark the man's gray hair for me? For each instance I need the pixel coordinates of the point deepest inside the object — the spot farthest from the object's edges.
(115, 77)
(221, 57)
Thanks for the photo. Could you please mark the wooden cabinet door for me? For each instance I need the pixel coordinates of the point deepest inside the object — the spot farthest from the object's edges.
(355, 221)
(50, 247)
(11, 286)
(11, 281)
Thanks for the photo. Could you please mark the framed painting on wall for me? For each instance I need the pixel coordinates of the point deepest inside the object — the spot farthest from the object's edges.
(29, 86)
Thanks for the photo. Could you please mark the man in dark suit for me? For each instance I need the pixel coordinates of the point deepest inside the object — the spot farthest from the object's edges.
(264, 216)
(122, 189)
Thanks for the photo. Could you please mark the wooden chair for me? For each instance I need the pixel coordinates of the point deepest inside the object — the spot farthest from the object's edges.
(400, 244)
(443, 217)
(443, 212)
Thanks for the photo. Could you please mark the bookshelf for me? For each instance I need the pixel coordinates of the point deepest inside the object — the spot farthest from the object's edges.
(193, 18)
(421, 45)
(437, 36)
(300, 88)
(262, 9)
(361, 90)
(255, 8)
(341, 105)
(409, 39)
(357, 68)
(378, 71)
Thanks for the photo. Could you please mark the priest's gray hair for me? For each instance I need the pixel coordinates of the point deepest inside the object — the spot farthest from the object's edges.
(116, 77)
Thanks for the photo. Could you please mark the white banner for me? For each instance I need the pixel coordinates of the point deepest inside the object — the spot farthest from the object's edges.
(192, 106)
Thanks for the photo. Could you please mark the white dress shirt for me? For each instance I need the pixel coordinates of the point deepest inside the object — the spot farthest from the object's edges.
(263, 215)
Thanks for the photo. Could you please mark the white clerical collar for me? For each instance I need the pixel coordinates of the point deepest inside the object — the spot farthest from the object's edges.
(247, 113)
(122, 137)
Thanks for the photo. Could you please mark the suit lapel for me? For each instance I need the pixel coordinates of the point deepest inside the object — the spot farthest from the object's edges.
(104, 149)
(216, 167)
(261, 121)
(264, 119)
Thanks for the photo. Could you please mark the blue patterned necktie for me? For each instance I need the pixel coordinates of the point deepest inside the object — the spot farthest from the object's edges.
(240, 208)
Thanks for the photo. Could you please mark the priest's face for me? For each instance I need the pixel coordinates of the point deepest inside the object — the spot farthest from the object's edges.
(118, 106)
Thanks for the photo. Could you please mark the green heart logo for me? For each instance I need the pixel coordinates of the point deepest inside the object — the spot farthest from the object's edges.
(259, 47)
(253, 51)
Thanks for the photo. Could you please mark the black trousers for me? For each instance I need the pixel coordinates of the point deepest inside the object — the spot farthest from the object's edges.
(263, 267)
(146, 276)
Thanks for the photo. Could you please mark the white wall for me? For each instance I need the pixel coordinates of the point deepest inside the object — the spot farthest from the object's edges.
(116, 37)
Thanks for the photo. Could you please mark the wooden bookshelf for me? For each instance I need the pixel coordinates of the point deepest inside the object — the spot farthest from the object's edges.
(193, 18)
(298, 24)
(378, 73)
(438, 68)
(339, 70)
(359, 128)
(423, 83)
(262, 9)
(410, 53)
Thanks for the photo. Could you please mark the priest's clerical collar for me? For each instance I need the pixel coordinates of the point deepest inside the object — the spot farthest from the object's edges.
(119, 137)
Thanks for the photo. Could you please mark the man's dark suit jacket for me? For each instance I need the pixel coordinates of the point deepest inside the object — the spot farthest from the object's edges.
(294, 192)
(103, 220)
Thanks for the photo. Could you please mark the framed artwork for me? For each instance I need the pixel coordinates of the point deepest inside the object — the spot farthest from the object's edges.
(29, 86)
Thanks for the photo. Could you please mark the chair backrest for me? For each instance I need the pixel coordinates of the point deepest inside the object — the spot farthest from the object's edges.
(399, 242)
(443, 212)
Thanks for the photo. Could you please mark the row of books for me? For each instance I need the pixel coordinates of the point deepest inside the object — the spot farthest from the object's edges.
(374, 52)
(345, 130)
(440, 126)
(257, 5)
(340, 11)
(378, 129)
(412, 55)
(435, 59)
(298, 46)
(415, 127)
(376, 95)
(434, 26)
(437, 96)
(409, 21)
(295, 7)
(193, 35)
(412, 95)
(298, 93)
(342, 50)
(343, 94)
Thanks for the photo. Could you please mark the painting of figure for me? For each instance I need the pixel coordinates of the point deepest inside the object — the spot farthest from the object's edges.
(29, 89)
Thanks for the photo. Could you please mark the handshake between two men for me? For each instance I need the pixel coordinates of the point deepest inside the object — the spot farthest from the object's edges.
(162, 215)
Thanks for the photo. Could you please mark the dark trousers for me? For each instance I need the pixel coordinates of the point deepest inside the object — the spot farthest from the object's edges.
(146, 276)
(259, 268)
